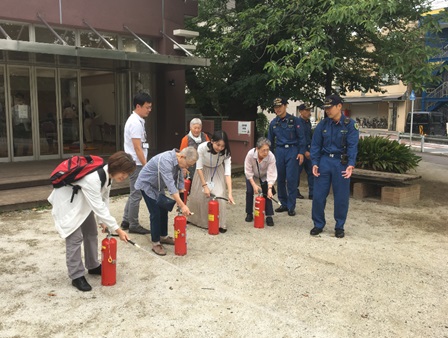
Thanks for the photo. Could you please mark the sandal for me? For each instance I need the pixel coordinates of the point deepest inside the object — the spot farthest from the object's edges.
(158, 249)
(167, 240)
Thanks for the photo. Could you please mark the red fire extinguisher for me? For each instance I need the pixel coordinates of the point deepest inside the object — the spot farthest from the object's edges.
(260, 205)
(213, 216)
(187, 183)
(180, 234)
(109, 261)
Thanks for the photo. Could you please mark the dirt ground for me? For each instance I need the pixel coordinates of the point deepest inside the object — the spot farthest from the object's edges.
(386, 278)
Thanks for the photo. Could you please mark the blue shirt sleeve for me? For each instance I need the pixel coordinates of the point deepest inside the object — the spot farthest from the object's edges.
(352, 142)
(316, 143)
(300, 132)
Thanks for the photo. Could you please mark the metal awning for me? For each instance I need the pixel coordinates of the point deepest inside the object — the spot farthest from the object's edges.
(111, 53)
(47, 48)
(369, 99)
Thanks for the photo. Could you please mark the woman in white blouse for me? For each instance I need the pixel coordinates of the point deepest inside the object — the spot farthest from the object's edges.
(76, 222)
(213, 174)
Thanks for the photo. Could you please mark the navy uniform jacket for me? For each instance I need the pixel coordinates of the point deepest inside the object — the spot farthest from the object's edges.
(328, 139)
(306, 127)
(287, 131)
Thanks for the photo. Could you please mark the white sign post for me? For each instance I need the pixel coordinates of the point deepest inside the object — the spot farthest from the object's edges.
(412, 98)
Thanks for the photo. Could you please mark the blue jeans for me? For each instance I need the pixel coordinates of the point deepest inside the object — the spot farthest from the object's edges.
(158, 219)
(250, 201)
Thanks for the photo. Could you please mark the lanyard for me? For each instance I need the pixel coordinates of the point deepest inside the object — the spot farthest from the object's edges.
(216, 166)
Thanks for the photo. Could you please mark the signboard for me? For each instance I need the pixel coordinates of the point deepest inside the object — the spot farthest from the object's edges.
(243, 128)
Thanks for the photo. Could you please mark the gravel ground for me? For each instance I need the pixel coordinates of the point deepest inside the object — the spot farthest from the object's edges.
(386, 278)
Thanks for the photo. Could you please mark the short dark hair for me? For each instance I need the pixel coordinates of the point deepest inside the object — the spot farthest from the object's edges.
(141, 98)
(121, 162)
(216, 137)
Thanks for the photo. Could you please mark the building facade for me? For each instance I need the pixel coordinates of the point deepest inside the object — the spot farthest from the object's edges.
(69, 71)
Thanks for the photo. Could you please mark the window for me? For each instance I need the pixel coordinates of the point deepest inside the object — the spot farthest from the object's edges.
(131, 44)
(43, 34)
(90, 39)
(16, 31)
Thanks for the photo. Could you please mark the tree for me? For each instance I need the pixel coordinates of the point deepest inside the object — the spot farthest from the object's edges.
(296, 48)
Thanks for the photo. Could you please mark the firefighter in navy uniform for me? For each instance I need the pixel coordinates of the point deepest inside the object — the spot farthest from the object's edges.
(289, 141)
(333, 154)
(304, 118)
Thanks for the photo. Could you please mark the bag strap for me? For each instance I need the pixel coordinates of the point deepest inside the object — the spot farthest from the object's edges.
(76, 188)
(259, 175)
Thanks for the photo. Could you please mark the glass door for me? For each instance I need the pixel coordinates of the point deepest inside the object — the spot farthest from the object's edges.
(71, 114)
(20, 93)
(47, 112)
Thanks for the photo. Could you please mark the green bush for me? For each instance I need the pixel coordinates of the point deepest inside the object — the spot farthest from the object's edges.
(381, 154)
(262, 124)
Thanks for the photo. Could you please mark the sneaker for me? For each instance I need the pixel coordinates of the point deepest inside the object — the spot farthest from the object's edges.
(125, 225)
(269, 221)
(139, 230)
(339, 233)
(315, 231)
(249, 218)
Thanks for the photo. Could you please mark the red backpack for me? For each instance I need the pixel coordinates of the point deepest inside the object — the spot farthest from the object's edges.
(75, 168)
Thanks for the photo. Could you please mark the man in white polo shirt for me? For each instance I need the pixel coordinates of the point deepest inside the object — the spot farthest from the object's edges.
(136, 144)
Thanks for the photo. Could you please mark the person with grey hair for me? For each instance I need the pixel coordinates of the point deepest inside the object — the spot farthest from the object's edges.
(193, 139)
(260, 165)
(164, 171)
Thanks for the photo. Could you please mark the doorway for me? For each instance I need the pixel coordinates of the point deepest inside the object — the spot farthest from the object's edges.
(99, 113)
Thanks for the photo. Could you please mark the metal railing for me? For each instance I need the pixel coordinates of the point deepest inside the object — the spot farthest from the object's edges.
(405, 137)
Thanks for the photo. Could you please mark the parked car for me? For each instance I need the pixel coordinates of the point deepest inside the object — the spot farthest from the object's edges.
(427, 123)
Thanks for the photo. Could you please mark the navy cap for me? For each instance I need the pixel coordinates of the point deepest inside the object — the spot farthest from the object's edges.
(278, 101)
(332, 100)
(305, 106)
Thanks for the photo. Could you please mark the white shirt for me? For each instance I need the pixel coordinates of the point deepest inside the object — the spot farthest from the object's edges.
(91, 197)
(134, 128)
(207, 159)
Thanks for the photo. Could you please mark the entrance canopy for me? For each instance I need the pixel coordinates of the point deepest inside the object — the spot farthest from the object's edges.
(90, 43)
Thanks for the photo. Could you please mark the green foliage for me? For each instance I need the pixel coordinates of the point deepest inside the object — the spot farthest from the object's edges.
(262, 124)
(294, 48)
(381, 154)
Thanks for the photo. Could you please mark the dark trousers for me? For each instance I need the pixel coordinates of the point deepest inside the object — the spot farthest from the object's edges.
(330, 170)
(250, 201)
(309, 173)
(158, 219)
(287, 169)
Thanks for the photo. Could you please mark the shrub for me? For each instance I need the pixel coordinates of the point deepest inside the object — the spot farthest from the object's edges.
(261, 125)
(381, 154)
